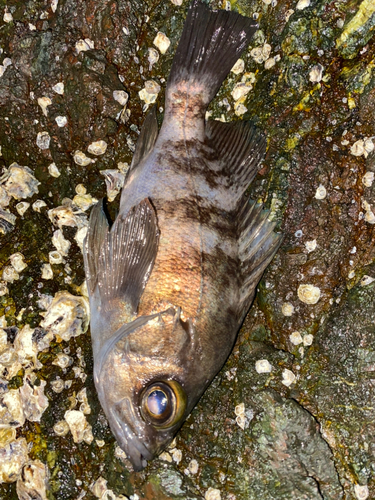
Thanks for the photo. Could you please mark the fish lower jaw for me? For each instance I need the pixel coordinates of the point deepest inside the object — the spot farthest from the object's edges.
(135, 450)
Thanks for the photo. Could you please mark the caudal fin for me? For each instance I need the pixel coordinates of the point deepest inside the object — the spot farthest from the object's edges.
(210, 44)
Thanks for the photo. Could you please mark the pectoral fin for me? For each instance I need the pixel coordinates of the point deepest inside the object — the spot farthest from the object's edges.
(119, 262)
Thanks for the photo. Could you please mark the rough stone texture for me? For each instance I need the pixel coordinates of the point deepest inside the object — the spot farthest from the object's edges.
(313, 439)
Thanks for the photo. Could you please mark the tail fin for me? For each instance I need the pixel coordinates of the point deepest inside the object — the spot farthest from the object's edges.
(210, 44)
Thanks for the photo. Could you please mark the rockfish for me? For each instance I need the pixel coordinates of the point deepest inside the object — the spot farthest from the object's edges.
(171, 280)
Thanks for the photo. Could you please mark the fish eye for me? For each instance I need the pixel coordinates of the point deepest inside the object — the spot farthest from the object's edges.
(163, 403)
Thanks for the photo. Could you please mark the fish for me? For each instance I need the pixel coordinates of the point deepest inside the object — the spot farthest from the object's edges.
(171, 280)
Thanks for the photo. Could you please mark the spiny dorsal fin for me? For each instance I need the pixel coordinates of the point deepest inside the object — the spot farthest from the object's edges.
(257, 244)
(121, 263)
(240, 147)
(147, 137)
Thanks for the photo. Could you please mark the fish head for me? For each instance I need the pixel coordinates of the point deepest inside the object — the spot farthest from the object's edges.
(144, 384)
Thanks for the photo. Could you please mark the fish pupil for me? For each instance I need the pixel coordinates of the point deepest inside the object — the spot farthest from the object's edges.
(157, 402)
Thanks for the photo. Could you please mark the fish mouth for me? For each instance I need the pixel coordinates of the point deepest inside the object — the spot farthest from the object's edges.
(135, 450)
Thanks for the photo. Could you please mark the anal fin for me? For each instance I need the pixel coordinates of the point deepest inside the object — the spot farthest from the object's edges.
(258, 244)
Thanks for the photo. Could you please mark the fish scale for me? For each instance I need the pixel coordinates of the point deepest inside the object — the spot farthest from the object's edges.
(171, 281)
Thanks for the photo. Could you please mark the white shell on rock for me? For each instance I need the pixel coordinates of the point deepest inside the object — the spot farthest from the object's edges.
(368, 179)
(21, 207)
(7, 435)
(55, 257)
(7, 18)
(60, 243)
(4, 197)
(150, 92)
(7, 62)
(310, 245)
(240, 109)
(38, 205)
(26, 349)
(366, 280)
(67, 316)
(153, 57)
(368, 145)
(61, 428)
(34, 401)
(80, 236)
(62, 360)
(10, 274)
(84, 201)
(11, 412)
(358, 148)
(12, 458)
(308, 339)
(238, 67)
(361, 492)
(302, 4)
(193, 466)
(81, 159)
(83, 45)
(321, 192)
(241, 90)
(79, 427)
(288, 377)
(19, 182)
(296, 338)
(47, 273)
(261, 54)
(162, 42)
(309, 294)
(146, 97)
(44, 102)
(316, 73)
(121, 97)
(59, 88)
(287, 309)
(61, 121)
(17, 261)
(43, 139)
(114, 180)
(97, 148)
(212, 494)
(263, 366)
(63, 215)
(33, 481)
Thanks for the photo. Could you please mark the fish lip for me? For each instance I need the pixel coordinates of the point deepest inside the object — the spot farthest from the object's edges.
(135, 450)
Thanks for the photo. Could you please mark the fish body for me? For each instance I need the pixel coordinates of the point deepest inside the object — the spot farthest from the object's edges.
(172, 279)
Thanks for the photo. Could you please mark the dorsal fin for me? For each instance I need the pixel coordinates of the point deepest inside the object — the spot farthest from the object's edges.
(257, 245)
(240, 147)
(147, 137)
